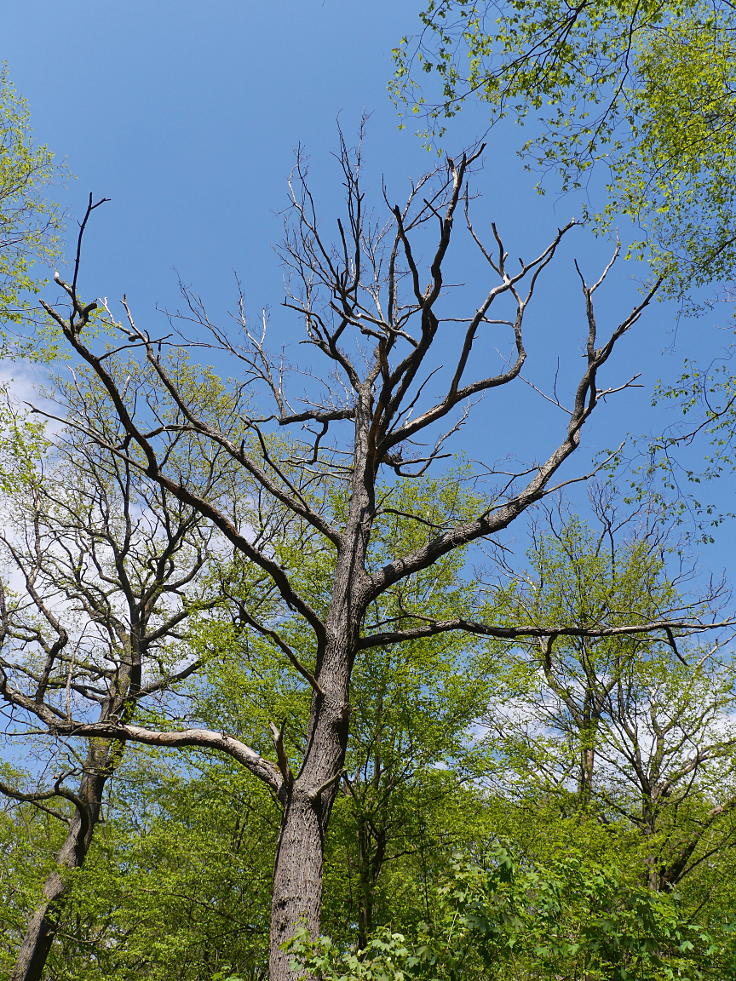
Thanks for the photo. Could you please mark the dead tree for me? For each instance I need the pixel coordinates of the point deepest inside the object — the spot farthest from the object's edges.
(108, 568)
(395, 367)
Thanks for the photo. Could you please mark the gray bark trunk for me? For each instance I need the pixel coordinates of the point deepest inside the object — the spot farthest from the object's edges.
(297, 885)
(42, 927)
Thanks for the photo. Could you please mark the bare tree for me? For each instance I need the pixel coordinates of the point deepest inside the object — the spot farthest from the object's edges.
(395, 369)
(109, 567)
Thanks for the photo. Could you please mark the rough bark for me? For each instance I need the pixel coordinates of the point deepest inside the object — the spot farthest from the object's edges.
(308, 799)
(297, 886)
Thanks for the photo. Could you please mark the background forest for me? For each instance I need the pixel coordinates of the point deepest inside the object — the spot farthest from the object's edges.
(366, 614)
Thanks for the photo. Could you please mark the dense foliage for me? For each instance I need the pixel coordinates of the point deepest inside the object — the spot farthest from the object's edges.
(559, 817)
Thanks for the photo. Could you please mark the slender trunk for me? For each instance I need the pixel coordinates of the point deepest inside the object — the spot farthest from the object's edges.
(372, 851)
(365, 898)
(42, 927)
(588, 736)
(365, 915)
(587, 769)
(652, 877)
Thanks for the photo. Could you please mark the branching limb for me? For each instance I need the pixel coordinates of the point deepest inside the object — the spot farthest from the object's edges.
(551, 632)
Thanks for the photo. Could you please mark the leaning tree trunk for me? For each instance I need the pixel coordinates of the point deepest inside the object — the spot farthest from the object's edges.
(42, 927)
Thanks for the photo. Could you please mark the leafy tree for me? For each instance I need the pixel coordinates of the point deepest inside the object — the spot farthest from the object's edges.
(111, 569)
(401, 798)
(645, 89)
(403, 805)
(176, 885)
(396, 808)
(631, 728)
(506, 917)
(28, 238)
(30, 835)
(28, 223)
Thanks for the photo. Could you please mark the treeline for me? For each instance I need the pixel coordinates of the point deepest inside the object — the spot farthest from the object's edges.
(550, 808)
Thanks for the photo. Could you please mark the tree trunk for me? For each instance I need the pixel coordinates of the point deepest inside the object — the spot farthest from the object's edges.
(589, 739)
(587, 770)
(365, 899)
(652, 876)
(297, 884)
(308, 799)
(42, 927)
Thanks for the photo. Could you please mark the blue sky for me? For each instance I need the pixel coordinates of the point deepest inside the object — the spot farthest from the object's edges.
(187, 117)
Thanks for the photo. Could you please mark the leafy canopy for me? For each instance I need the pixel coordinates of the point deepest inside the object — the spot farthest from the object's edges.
(28, 222)
(646, 89)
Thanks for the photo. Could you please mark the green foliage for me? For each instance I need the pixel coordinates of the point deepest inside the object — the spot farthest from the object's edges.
(176, 887)
(28, 839)
(402, 805)
(700, 448)
(509, 918)
(28, 223)
(622, 740)
(22, 444)
(177, 884)
(408, 698)
(646, 89)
